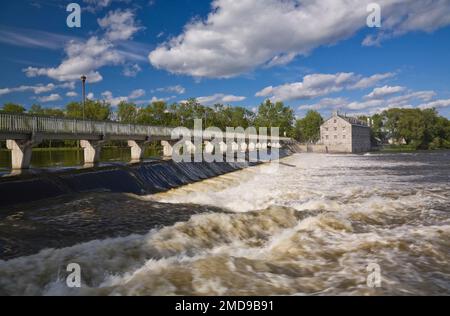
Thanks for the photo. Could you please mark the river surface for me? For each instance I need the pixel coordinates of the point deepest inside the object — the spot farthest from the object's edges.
(70, 157)
(311, 225)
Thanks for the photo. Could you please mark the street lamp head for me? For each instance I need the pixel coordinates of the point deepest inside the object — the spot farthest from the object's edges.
(83, 78)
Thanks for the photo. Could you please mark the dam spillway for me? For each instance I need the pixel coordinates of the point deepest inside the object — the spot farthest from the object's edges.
(139, 179)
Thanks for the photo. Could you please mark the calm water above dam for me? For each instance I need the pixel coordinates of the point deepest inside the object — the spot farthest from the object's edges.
(63, 157)
(310, 225)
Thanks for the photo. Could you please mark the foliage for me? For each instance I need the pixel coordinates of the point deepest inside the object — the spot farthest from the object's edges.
(276, 115)
(307, 129)
(12, 108)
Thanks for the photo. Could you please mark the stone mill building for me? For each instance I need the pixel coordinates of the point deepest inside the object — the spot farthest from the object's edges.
(342, 134)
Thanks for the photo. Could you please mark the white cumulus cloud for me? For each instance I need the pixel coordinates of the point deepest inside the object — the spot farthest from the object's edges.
(50, 98)
(379, 93)
(219, 98)
(318, 85)
(239, 36)
(119, 25)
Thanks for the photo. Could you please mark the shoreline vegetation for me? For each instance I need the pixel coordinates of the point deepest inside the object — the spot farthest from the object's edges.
(408, 129)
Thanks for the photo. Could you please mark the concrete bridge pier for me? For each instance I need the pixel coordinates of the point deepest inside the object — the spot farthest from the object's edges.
(223, 147)
(92, 151)
(21, 151)
(234, 147)
(137, 149)
(190, 147)
(168, 148)
(209, 148)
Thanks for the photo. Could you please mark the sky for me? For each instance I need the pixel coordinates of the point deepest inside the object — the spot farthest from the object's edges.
(310, 54)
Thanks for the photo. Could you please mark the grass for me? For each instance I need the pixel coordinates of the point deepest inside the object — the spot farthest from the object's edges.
(398, 148)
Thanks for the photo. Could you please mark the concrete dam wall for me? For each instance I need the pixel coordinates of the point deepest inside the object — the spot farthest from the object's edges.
(140, 179)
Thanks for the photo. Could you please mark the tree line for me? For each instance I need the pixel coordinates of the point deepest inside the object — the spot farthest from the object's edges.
(160, 113)
(416, 128)
(413, 128)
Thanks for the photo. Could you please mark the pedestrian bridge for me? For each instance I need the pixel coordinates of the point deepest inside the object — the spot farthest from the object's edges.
(23, 132)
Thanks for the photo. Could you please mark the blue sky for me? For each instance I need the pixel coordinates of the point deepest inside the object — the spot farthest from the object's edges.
(310, 54)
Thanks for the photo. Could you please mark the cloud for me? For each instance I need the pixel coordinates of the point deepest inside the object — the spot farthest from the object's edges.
(71, 94)
(33, 39)
(114, 101)
(436, 104)
(86, 57)
(131, 70)
(317, 85)
(326, 103)
(120, 25)
(96, 5)
(240, 36)
(137, 94)
(173, 89)
(401, 17)
(50, 98)
(219, 98)
(410, 99)
(37, 89)
(379, 93)
(83, 58)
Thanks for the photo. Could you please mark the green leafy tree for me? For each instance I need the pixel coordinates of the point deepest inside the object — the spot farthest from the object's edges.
(12, 108)
(36, 109)
(127, 112)
(276, 115)
(307, 129)
(94, 110)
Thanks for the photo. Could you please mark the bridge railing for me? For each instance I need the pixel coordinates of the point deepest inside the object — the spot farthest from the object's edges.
(27, 124)
(19, 123)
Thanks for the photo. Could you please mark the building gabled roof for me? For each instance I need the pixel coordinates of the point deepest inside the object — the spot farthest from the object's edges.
(351, 120)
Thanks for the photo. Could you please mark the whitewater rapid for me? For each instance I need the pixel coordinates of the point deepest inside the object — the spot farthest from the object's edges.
(309, 225)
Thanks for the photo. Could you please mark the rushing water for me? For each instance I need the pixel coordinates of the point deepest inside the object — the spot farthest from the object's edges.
(311, 225)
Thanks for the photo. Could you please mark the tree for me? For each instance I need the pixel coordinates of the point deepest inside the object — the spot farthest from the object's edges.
(94, 110)
(157, 114)
(127, 112)
(421, 129)
(308, 129)
(74, 110)
(39, 110)
(275, 115)
(12, 108)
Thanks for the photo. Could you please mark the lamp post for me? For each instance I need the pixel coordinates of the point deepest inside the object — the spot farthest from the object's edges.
(83, 80)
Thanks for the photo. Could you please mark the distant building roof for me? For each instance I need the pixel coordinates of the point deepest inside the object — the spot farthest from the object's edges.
(351, 120)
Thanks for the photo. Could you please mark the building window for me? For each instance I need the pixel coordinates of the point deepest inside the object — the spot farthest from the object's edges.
(335, 128)
(326, 128)
(343, 136)
(326, 136)
(335, 136)
(335, 121)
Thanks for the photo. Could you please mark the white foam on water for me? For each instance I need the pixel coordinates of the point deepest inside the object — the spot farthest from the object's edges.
(311, 227)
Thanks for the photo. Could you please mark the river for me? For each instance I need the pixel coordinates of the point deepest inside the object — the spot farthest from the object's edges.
(310, 225)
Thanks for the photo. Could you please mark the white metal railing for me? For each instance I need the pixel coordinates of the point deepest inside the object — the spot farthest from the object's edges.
(19, 123)
(23, 123)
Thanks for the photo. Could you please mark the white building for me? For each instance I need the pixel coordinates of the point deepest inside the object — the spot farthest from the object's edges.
(342, 134)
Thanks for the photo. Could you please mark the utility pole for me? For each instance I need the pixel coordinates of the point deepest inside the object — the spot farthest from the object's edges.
(83, 80)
